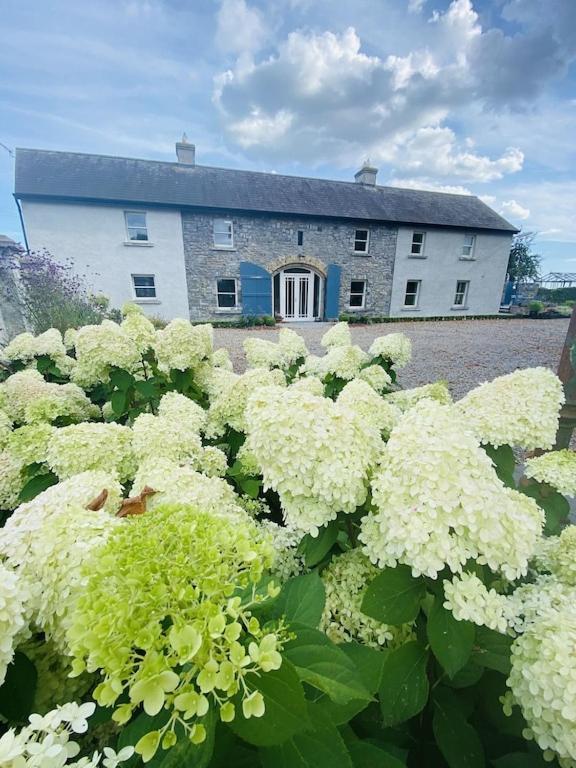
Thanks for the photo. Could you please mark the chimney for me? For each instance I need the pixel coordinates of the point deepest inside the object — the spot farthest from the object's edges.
(185, 152)
(366, 175)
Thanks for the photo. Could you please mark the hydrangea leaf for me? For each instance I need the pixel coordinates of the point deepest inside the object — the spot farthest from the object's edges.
(302, 600)
(492, 650)
(451, 640)
(367, 755)
(285, 712)
(394, 596)
(456, 738)
(323, 665)
(185, 753)
(18, 689)
(520, 760)
(315, 548)
(404, 683)
(36, 485)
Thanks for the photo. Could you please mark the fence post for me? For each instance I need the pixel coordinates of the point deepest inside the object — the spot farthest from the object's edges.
(567, 374)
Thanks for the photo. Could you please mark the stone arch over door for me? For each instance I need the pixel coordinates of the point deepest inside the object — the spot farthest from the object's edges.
(297, 261)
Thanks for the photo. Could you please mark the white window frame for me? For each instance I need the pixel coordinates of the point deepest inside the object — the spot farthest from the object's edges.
(355, 307)
(462, 295)
(129, 227)
(365, 243)
(152, 299)
(472, 246)
(419, 254)
(416, 295)
(227, 293)
(227, 229)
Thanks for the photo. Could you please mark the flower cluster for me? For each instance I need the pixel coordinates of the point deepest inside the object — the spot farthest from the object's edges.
(394, 347)
(407, 398)
(183, 564)
(470, 600)
(557, 468)
(261, 353)
(25, 347)
(100, 348)
(376, 376)
(82, 447)
(47, 741)
(337, 336)
(361, 399)
(29, 444)
(520, 409)
(439, 502)
(5, 428)
(138, 328)
(182, 345)
(343, 362)
(345, 581)
(316, 454)
(13, 599)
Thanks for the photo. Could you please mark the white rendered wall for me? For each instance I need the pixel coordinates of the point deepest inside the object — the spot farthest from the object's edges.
(442, 267)
(94, 238)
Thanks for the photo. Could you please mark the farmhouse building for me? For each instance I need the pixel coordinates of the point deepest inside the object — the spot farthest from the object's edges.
(212, 243)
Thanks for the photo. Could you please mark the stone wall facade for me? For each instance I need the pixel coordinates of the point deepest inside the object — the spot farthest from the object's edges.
(271, 241)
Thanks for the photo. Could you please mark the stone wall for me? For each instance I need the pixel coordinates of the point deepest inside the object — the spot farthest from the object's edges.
(272, 242)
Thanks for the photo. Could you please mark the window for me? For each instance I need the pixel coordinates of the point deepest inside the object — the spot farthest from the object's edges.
(361, 240)
(144, 286)
(226, 292)
(300, 237)
(468, 246)
(461, 293)
(417, 247)
(223, 234)
(412, 293)
(357, 294)
(136, 225)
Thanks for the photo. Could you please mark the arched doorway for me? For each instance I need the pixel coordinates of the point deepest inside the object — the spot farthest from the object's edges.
(298, 294)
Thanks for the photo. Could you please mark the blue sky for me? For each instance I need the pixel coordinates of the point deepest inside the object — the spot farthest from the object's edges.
(468, 95)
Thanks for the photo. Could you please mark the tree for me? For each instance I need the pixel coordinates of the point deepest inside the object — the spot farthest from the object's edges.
(523, 264)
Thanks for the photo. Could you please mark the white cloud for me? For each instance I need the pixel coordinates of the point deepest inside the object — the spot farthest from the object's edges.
(429, 184)
(415, 6)
(241, 29)
(260, 129)
(514, 210)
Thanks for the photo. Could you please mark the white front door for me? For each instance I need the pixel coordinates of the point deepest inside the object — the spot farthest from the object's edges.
(297, 295)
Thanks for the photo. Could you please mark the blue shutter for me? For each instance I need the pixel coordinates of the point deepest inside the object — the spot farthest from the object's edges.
(256, 285)
(332, 292)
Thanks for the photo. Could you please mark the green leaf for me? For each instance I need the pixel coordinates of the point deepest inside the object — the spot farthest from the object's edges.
(368, 661)
(504, 461)
(302, 599)
(118, 401)
(321, 746)
(404, 683)
(367, 755)
(147, 388)
(555, 506)
(36, 485)
(185, 753)
(18, 689)
(121, 379)
(456, 738)
(451, 640)
(321, 664)
(469, 675)
(135, 729)
(285, 712)
(492, 650)
(520, 760)
(394, 596)
(250, 486)
(316, 548)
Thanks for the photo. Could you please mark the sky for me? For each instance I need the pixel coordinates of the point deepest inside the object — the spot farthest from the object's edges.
(472, 96)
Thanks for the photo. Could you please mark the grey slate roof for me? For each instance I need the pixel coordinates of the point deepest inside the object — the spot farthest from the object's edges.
(83, 177)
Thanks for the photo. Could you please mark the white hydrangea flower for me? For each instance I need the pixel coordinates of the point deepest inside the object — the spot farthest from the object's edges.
(470, 600)
(315, 454)
(14, 596)
(59, 401)
(229, 406)
(439, 502)
(288, 562)
(212, 462)
(138, 328)
(11, 480)
(337, 336)
(538, 599)
(341, 361)
(407, 398)
(177, 407)
(182, 345)
(261, 353)
(345, 580)
(292, 347)
(221, 359)
(562, 556)
(100, 347)
(5, 428)
(26, 347)
(395, 347)
(163, 437)
(376, 376)
(557, 468)
(29, 444)
(70, 335)
(83, 447)
(19, 390)
(519, 409)
(361, 398)
(311, 384)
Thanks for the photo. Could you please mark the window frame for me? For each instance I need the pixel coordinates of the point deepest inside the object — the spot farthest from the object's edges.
(229, 223)
(154, 287)
(355, 307)
(421, 254)
(129, 227)
(357, 240)
(219, 293)
(471, 255)
(464, 294)
(300, 237)
(416, 304)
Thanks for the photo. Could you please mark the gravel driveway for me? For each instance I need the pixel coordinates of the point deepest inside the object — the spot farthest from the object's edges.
(464, 353)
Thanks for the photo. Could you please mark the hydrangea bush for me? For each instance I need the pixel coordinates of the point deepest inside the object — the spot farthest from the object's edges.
(300, 565)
